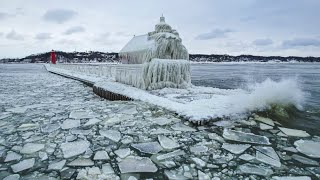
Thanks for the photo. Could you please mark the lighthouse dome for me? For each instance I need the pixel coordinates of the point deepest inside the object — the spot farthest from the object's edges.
(162, 26)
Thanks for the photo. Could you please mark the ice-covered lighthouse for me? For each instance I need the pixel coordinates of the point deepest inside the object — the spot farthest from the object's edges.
(164, 58)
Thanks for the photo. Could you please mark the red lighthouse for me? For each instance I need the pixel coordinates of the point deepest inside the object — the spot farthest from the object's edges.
(53, 57)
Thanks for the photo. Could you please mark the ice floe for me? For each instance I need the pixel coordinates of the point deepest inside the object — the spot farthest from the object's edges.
(23, 165)
(245, 137)
(148, 147)
(308, 147)
(235, 148)
(167, 143)
(134, 164)
(75, 148)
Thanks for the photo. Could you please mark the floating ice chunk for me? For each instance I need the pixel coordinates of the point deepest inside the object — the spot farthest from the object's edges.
(101, 155)
(75, 148)
(43, 156)
(173, 175)
(162, 121)
(92, 122)
(30, 148)
(235, 148)
(129, 109)
(244, 137)
(28, 126)
(290, 149)
(12, 177)
(255, 169)
(265, 127)
(199, 162)
(291, 178)
(168, 164)
(294, 132)
(203, 176)
(264, 120)
(69, 123)
(18, 110)
(198, 149)
(23, 165)
(309, 148)
(57, 165)
(267, 155)
(81, 115)
(181, 127)
(170, 155)
(167, 143)
(81, 162)
(94, 171)
(49, 128)
(67, 173)
(12, 156)
(113, 135)
(107, 169)
(305, 160)
(160, 131)
(247, 157)
(148, 147)
(122, 153)
(137, 164)
(216, 137)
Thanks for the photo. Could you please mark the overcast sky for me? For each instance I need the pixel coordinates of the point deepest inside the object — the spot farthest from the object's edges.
(258, 27)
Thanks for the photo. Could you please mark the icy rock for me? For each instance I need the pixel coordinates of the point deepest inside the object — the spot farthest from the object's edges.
(113, 135)
(30, 148)
(203, 176)
(107, 169)
(122, 153)
(29, 126)
(137, 164)
(181, 127)
(267, 155)
(265, 127)
(199, 162)
(305, 160)
(23, 165)
(101, 155)
(235, 148)
(170, 155)
(198, 149)
(160, 131)
(291, 178)
(167, 143)
(294, 132)
(309, 148)
(68, 124)
(148, 147)
(247, 157)
(81, 162)
(92, 122)
(12, 177)
(12, 156)
(264, 120)
(172, 175)
(162, 121)
(255, 169)
(57, 165)
(216, 137)
(75, 148)
(80, 115)
(245, 137)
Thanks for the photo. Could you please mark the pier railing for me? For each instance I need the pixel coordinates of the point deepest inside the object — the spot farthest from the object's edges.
(128, 74)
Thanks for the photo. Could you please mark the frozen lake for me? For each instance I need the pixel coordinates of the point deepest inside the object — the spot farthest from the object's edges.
(57, 128)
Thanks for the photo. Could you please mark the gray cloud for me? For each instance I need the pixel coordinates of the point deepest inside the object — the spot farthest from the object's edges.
(13, 35)
(216, 33)
(3, 15)
(262, 42)
(300, 42)
(1, 33)
(59, 15)
(43, 36)
(74, 29)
